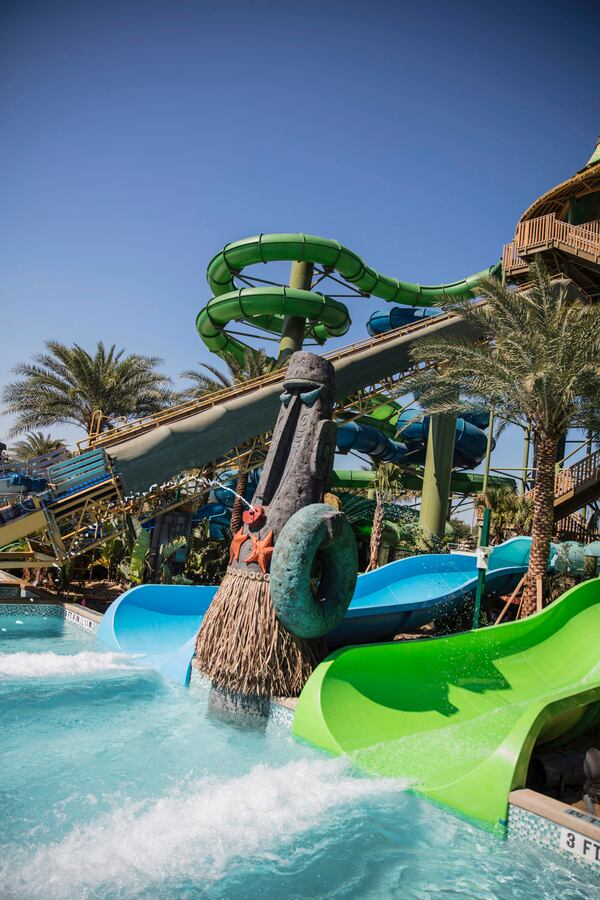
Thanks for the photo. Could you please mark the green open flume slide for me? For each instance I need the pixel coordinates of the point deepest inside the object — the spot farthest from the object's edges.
(266, 307)
(460, 715)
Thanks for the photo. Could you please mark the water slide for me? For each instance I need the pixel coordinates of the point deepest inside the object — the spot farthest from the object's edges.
(157, 624)
(410, 592)
(163, 448)
(460, 715)
(155, 450)
(326, 317)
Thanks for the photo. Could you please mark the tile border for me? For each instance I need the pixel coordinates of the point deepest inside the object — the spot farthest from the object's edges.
(557, 826)
(86, 619)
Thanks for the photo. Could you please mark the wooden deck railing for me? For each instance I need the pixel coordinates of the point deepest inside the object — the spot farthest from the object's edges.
(568, 480)
(545, 231)
(576, 528)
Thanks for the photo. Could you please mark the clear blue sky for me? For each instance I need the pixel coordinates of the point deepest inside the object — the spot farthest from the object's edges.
(139, 137)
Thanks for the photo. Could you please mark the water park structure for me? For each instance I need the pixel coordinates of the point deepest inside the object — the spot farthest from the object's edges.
(483, 698)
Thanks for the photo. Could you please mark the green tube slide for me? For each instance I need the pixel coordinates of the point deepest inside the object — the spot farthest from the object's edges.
(459, 716)
(266, 307)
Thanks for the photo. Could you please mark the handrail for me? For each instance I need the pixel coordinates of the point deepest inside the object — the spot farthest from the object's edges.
(567, 480)
(534, 233)
(173, 413)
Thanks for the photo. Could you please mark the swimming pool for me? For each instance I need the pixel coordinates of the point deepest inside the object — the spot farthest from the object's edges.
(116, 783)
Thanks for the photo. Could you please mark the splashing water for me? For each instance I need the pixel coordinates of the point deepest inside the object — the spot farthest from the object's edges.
(55, 665)
(196, 832)
(118, 784)
(214, 482)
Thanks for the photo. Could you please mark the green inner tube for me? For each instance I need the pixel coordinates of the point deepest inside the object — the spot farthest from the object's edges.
(316, 533)
(326, 317)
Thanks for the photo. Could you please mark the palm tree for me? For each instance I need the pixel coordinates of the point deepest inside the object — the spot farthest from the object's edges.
(68, 385)
(36, 443)
(387, 484)
(511, 513)
(208, 380)
(537, 362)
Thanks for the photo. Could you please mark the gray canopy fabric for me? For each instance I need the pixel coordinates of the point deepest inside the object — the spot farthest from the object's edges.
(200, 438)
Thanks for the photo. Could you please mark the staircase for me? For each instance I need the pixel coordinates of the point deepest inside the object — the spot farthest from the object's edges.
(577, 486)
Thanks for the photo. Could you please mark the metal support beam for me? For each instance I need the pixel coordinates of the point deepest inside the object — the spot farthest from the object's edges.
(294, 327)
(437, 474)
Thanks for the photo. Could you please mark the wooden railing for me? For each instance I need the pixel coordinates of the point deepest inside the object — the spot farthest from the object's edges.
(547, 230)
(568, 480)
(575, 528)
(511, 261)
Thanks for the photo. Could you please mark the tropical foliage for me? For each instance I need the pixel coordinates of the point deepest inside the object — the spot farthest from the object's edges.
(69, 385)
(208, 378)
(511, 513)
(534, 356)
(36, 443)
(207, 558)
(387, 485)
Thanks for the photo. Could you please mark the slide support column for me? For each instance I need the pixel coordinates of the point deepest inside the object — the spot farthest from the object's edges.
(437, 474)
(294, 327)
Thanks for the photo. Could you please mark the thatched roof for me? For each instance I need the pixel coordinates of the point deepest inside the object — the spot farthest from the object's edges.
(556, 200)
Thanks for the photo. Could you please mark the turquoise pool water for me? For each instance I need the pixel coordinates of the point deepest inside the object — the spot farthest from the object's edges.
(115, 784)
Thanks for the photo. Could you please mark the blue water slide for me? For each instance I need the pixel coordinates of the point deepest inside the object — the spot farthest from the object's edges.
(157, 624)
(410, 592)
(470, 442)
(369, 440)
(221, 499)
(398, 317)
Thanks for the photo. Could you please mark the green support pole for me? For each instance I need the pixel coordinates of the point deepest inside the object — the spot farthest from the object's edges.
(294, 327)
(437, 474)
(484, 535)
(488, 452)
(526, 459)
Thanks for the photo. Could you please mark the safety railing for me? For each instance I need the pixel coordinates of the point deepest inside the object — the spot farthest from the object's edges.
(548, 230)
(567, 480)
(576, 528)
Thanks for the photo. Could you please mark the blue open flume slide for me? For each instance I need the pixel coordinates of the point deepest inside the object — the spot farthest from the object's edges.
(158, 623)
(410, 592)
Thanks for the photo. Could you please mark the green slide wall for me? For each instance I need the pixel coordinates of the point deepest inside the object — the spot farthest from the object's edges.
(267, 307)
(460, 715)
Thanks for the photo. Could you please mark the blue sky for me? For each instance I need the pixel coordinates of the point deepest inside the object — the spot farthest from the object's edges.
(139, 137)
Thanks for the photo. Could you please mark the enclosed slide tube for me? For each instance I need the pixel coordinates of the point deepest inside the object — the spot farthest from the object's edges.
(459, 716)
(469, 444)
(266, 307)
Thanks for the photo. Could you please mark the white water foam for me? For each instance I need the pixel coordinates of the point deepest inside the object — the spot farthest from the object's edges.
(48, 665)
(196, 833)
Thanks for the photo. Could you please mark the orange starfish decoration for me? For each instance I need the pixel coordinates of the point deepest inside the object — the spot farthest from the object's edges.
(236, 545)
(261, 552)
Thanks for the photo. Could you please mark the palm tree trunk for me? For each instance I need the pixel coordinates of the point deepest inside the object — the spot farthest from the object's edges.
(543, 519)
(238, 506)
(376, 533)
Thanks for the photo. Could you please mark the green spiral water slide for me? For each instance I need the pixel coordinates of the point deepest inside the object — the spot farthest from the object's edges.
(268, 307)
